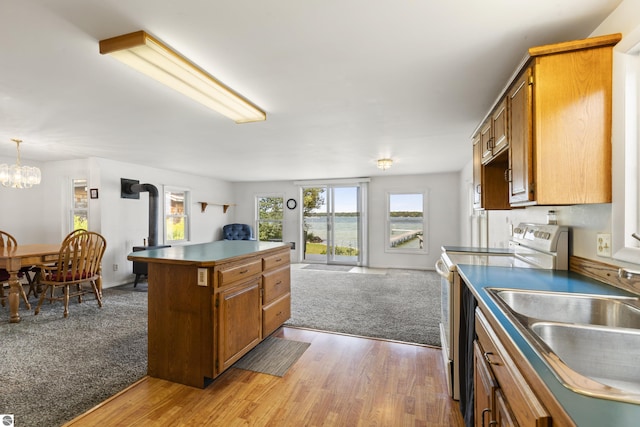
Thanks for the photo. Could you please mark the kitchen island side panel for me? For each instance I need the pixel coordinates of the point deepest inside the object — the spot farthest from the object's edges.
(180, 334)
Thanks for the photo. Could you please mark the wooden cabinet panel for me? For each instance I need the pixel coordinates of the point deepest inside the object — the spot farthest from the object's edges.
(493, 134)
(572, 127)
(499, 128)
(235, 273)
(239, 322)
(485, 387)
(275, 314)
(275, 284)
(486, 140)
(504, 416)
(174, 302)
(477, 173)
(521, 140)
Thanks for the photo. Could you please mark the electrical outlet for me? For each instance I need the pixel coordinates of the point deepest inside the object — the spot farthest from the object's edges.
(603, 247)
(202, 276)
(115, 267)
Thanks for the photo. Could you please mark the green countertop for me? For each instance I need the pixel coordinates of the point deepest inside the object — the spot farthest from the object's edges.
(586, 411)
(204, 254)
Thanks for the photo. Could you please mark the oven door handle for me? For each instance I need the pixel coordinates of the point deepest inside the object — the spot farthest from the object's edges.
(443, 271)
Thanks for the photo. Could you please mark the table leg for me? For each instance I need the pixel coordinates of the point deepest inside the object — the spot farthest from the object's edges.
(14, 297)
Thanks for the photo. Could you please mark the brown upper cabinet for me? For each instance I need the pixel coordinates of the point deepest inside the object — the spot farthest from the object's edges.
(556, 116)
(493, 134)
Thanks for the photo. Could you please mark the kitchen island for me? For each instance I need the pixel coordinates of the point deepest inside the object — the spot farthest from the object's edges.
(211, 303)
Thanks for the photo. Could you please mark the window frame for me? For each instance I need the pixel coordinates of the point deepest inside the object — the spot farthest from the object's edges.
(387, 237)
(625, 209)
(186, 215)
(257, 220)
(73, 209)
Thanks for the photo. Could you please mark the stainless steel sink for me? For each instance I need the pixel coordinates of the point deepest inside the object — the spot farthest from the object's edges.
(607, 356)
(614, 311)
(591, 342)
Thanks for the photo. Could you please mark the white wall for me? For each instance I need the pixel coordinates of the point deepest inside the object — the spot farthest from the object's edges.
(442, 191)
(443, 204)
(39, 214)
(21, 209)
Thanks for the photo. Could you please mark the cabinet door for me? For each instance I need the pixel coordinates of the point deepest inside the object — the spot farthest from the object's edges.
(239, 322)
(486, 139)
(521, 140)
(485, 386)
(477, 173)
(499, 126)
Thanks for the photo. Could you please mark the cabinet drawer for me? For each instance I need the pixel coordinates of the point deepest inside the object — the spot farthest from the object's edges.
(274, 261)
(275, 284)
(275, 314)
(227, 276)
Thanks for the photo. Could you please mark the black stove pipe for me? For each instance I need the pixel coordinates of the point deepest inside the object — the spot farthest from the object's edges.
(153, 208)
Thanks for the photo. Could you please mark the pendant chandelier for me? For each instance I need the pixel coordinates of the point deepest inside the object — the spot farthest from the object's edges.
(18, 176)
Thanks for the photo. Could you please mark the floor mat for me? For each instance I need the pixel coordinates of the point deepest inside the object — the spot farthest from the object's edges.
(273, 356)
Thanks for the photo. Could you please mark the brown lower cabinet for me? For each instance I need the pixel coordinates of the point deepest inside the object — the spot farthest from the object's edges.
(502, 397)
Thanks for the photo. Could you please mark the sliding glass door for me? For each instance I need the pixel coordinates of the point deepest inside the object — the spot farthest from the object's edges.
(333, 224)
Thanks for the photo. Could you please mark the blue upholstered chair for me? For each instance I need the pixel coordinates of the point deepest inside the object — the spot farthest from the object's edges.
(237, 232)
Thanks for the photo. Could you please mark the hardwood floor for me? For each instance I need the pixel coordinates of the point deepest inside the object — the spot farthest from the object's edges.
(339, 381)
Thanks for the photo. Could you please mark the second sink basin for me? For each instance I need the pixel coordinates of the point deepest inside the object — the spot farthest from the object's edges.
(614, 311)
(605, 355)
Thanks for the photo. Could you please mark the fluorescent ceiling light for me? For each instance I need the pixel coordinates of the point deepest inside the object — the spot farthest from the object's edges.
(153, 58)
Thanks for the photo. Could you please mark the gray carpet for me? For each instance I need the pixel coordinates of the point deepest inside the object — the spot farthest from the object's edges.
(402, 305)
(328, 267)
(273, 356)
(53, 369)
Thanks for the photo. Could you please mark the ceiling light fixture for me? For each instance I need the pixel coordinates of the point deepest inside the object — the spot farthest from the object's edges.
(150, 56)
(384, 164)
(18, 176)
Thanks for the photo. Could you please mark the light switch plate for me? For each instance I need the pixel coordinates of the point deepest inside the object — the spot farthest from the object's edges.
(203, 274)
(603, 244)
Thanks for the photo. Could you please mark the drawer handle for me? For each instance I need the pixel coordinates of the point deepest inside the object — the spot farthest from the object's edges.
(279, 314)
(486, 357)
(279, 282)
(243, 271)
(278, 259)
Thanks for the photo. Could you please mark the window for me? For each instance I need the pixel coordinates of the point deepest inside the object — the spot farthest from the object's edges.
(270, 216)
(405, 222)
(79, 205)
(176, 215)
(626, 156)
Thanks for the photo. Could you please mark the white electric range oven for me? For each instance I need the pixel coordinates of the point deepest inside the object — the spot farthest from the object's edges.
(531, 246)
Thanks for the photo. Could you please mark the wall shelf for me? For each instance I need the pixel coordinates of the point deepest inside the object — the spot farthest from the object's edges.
(225, 206)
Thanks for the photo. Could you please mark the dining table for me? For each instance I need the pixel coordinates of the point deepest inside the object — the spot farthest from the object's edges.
(13, 258)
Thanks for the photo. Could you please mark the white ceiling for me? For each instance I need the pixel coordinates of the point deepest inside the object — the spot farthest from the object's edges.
(343, 82)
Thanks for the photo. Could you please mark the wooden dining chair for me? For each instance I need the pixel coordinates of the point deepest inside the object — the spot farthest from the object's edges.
(8, 241)
(34, 284)
(79, 262)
